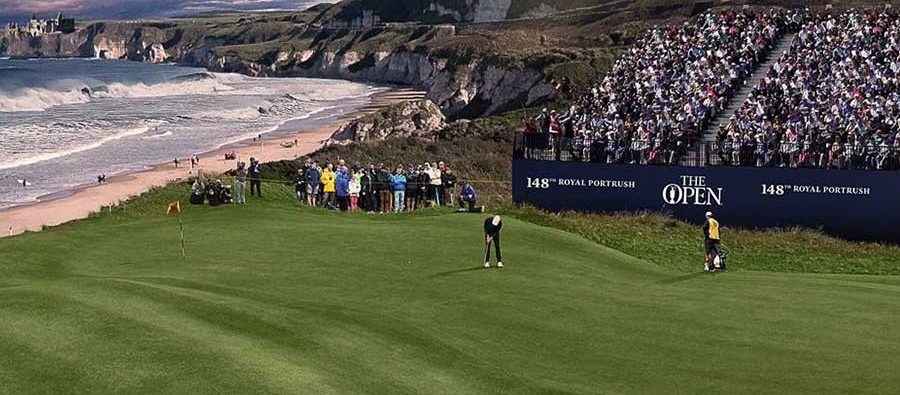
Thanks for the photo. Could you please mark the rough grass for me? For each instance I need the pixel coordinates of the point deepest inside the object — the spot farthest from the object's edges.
(678, 245)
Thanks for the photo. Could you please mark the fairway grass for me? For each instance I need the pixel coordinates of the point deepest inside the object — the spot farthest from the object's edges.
(275, 299)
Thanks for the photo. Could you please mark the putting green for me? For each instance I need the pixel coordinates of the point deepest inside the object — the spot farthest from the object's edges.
(273, 299)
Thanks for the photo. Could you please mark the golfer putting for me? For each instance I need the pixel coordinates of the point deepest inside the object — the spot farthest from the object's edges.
(492, 226)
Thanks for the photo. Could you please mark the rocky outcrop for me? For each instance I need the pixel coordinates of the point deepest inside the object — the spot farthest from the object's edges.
(74, 44)
(105, 48)
(417, 118)
(156, 53)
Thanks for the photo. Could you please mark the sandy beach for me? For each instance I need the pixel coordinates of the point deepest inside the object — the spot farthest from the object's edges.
(83, 201)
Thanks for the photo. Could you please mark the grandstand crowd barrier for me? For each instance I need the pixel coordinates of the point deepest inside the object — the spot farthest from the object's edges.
(543, 146)
(853, 204)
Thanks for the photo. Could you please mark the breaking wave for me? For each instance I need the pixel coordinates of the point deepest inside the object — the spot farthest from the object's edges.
(42, 99)
(38, 99)
(73, 150)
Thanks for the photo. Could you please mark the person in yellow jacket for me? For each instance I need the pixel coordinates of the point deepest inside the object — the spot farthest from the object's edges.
(711, 239)
(328, 177)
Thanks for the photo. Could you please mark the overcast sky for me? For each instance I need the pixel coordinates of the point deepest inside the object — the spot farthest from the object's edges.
(134, 9)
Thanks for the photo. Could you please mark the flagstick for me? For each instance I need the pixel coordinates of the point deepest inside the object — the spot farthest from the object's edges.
(181, 229)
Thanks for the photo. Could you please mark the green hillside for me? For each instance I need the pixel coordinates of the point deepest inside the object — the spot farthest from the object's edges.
(276, 299)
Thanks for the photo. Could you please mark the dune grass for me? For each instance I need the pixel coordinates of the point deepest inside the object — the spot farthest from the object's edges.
(273, 298)
(678, 245)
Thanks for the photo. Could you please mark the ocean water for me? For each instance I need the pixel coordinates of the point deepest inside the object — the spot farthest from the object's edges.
(65, 121)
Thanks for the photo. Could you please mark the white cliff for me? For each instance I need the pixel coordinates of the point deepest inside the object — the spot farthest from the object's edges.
(105, 48)
(155, 53)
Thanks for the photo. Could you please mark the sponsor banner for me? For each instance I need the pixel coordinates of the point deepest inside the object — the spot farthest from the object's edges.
(850, 204)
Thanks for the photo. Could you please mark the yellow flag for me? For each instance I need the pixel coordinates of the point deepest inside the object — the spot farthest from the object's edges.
(174, 207)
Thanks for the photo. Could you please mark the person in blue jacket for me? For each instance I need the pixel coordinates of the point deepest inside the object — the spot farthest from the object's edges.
(398, 185)
(313, 174)
(342, 189)
(468, 196)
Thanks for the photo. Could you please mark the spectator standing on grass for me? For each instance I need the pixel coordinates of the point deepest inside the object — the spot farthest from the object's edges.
(434, 177)
(300, 185)
(398, 182)
(381, 189)
(441, 191)
(449, 181)
(327, 179)
(422, 182)
(412, 186)
(255, 177)
(355, 189)
(389, 192)
(197, 192)
(240, 181)
(313, 176)
(367, 197)
(342, 188)
(375, 199)
(429, 192)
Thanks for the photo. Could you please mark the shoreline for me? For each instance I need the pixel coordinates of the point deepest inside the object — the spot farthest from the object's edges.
(77, 203)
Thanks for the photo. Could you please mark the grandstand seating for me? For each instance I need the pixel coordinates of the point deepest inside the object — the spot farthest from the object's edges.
(831, 100)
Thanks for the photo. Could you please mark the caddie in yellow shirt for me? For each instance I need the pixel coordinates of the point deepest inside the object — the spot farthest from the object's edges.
(711, 240)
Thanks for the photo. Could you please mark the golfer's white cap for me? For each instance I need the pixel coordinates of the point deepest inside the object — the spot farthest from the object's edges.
(496, 220)
(709, 213)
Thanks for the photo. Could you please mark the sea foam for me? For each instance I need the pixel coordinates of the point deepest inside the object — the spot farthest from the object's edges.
(77, 92)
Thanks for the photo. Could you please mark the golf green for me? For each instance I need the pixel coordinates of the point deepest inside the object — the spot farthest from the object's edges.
(273, 299)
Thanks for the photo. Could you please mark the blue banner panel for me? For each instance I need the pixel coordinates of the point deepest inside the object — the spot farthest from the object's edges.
(861, 205)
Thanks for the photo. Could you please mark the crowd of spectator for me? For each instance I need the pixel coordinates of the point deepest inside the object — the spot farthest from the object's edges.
(661, 94)
(337, 186)
(380, 188)
(831, 101)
